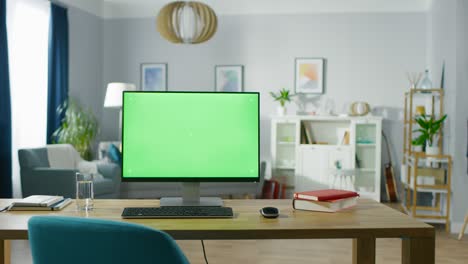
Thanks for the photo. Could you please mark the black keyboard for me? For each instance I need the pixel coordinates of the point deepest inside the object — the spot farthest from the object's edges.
(178, 212)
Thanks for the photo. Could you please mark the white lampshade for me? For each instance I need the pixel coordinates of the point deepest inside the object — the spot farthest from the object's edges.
(114, 93)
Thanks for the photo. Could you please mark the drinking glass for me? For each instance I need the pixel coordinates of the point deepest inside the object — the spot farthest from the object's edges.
(84, 191)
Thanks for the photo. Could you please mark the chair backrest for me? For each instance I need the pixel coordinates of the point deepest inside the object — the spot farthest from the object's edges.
(71, 240)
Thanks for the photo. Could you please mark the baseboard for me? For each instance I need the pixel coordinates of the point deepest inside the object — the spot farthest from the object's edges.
(456, 227)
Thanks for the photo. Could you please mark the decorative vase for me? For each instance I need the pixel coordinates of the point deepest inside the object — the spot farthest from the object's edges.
(425, 82)
(428, 105)
(281, 110)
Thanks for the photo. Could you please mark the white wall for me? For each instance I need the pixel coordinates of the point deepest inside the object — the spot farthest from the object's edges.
(443, 49)
(367, 57)
(449, 42)
(85, 55)
(460, 183)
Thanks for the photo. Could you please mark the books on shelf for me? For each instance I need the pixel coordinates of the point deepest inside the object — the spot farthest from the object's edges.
(330, 206)
(345, 139)
(325, 195)
(306, 134)
(40, 203)
(302, 133)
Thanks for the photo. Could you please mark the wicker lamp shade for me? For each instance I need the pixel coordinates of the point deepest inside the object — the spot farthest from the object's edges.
(187, 22)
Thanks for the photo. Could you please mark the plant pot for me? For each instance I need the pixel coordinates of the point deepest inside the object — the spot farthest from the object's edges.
(432, 150)
(281, 110)
(417, 148)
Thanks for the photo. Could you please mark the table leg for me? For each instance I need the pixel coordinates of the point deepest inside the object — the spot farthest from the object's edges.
(364, 250)
(5, 252)
(418, 250)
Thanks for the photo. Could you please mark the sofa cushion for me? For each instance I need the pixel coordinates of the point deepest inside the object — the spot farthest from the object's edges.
(32, 158)
(103, 186)
(114, 154)
(63, 156)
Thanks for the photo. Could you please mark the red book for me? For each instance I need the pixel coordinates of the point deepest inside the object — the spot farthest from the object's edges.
(326, 206)
(325, 195)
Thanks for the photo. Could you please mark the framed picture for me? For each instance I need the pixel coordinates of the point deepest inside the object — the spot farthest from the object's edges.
(309, 75)
(229, 78)
(153, 77)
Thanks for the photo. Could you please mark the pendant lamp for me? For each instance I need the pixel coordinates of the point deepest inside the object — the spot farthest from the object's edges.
(187, 22)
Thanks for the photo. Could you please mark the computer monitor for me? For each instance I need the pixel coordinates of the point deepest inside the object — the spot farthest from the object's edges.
(191, 137)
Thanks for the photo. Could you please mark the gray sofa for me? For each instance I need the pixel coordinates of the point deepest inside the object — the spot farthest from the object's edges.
(156, 190)
(38, 178)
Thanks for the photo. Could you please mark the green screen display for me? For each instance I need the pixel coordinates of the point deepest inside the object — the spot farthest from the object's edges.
(190, 135)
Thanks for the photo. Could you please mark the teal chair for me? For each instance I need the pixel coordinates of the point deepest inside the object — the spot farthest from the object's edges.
(58, 240)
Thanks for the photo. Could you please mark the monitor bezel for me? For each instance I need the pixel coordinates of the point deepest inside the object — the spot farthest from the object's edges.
(189, 179)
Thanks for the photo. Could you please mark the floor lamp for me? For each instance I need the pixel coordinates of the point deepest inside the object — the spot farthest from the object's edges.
(114, 99)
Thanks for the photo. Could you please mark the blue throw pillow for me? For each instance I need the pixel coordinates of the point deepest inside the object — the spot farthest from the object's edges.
(114, 154)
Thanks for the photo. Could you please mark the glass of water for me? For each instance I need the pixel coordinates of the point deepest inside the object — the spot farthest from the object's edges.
(84, 191)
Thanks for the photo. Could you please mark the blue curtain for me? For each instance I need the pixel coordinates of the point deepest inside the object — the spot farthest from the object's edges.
(5, 110)
(58, 67)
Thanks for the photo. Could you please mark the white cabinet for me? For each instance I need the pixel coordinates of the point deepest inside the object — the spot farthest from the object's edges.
(311, 169)
(317, 165)
(315, 152)
(340, 156)
(284, 142)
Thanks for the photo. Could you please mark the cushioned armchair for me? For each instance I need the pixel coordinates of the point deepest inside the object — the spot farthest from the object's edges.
(40, 175)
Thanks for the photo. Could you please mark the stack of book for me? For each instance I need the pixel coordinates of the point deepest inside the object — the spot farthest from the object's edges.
(40, 203)
(330, 200)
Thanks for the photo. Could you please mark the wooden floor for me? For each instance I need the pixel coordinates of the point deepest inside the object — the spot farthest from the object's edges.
(448, 250)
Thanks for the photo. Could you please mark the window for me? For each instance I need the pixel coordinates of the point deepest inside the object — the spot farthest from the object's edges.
(28, 31)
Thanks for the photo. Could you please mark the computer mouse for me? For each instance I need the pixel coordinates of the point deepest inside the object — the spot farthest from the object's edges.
(269, 212)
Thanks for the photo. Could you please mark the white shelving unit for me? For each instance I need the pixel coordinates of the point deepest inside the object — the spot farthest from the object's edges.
(314, 161)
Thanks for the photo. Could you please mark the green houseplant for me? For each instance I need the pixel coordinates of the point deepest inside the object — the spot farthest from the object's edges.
(418, 144)
(429, 130)
(79, 128)
(282, 97)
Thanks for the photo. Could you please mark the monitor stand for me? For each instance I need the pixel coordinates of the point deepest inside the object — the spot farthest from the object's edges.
(191, 197)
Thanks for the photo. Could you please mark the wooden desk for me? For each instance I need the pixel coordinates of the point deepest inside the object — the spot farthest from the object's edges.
(364, 223)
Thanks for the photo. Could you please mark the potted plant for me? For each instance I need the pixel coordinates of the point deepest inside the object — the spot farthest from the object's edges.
(429, 128)
(283, 96)
(79, 128)
(418, 144)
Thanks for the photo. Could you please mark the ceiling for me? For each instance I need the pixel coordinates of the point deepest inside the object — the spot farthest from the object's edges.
(149, 8)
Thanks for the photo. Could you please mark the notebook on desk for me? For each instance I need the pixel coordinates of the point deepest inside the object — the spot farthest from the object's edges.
(39, 200)
(57, 205)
